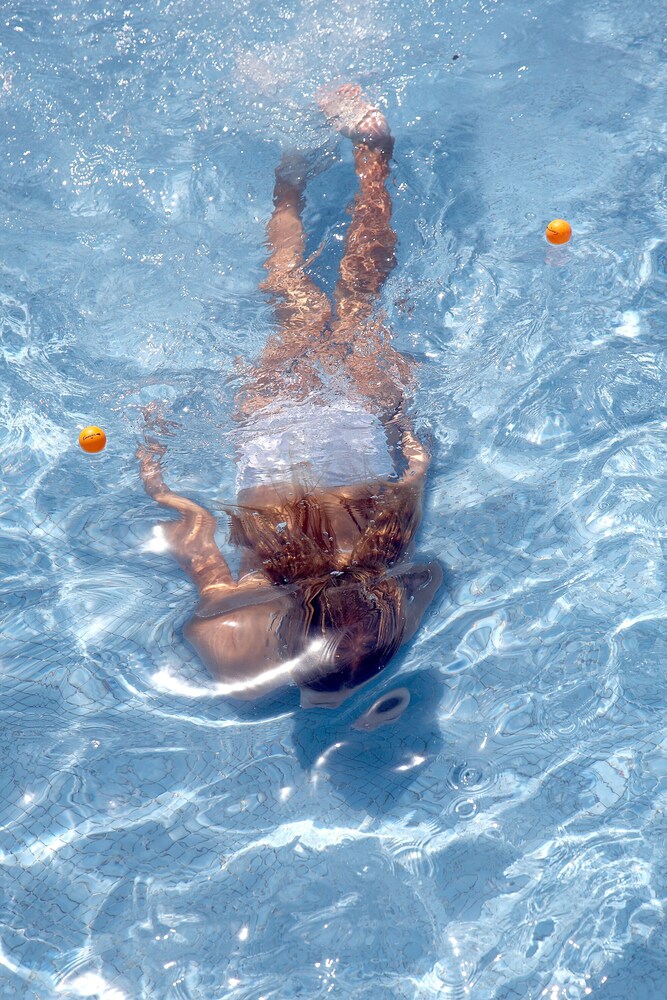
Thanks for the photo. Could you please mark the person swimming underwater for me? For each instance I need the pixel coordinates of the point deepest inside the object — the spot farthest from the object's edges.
(330, 473)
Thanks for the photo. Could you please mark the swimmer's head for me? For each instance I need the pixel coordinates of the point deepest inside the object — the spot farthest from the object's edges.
(329, 636)
(361, 620)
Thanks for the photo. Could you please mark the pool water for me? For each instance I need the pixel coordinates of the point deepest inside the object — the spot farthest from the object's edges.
(505, 838)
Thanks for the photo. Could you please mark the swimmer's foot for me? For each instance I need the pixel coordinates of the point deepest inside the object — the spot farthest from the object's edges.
(296, 167)
(355, 117)
(292, 170)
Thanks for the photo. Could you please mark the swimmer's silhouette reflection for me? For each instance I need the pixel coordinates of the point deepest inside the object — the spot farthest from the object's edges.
(376, 767)
(327, 590)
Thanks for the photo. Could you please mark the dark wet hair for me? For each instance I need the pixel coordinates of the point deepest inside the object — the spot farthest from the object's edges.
(295, 541)
(358, 612)
(360, 618)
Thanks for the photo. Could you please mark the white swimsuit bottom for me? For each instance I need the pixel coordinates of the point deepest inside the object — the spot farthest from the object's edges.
(314, 444)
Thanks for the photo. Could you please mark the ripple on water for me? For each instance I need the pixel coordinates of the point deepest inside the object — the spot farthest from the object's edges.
(290, 921)
(505, 835)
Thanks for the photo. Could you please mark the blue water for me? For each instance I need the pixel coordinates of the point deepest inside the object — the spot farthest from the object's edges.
(505, 839)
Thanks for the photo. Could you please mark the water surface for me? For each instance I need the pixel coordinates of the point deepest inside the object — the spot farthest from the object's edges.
(505, 838)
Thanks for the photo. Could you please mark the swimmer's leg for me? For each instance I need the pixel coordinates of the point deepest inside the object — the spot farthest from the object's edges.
(370, 243)
(301, 308)
(369, 247)
(299, 302)
(380, 373)
(191, 538)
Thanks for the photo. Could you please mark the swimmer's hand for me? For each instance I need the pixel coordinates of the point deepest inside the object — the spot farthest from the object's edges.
(149, 454)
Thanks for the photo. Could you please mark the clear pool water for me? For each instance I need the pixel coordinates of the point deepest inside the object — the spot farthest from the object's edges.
(505, 839)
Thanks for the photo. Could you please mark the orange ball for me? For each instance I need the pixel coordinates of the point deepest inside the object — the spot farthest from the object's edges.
(558, 231)
(92, 439)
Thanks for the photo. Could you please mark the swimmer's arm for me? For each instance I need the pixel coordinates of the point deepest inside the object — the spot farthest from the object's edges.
(416, 456)
(409, 485)
(191, 538)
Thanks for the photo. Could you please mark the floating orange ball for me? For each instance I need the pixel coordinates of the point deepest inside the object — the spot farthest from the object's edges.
(558, 231)
(92, 439)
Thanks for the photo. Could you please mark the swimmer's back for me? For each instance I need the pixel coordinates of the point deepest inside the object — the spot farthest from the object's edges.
(318, 444)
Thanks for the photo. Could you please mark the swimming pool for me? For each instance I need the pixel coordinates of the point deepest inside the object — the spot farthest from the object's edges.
(505, 837)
